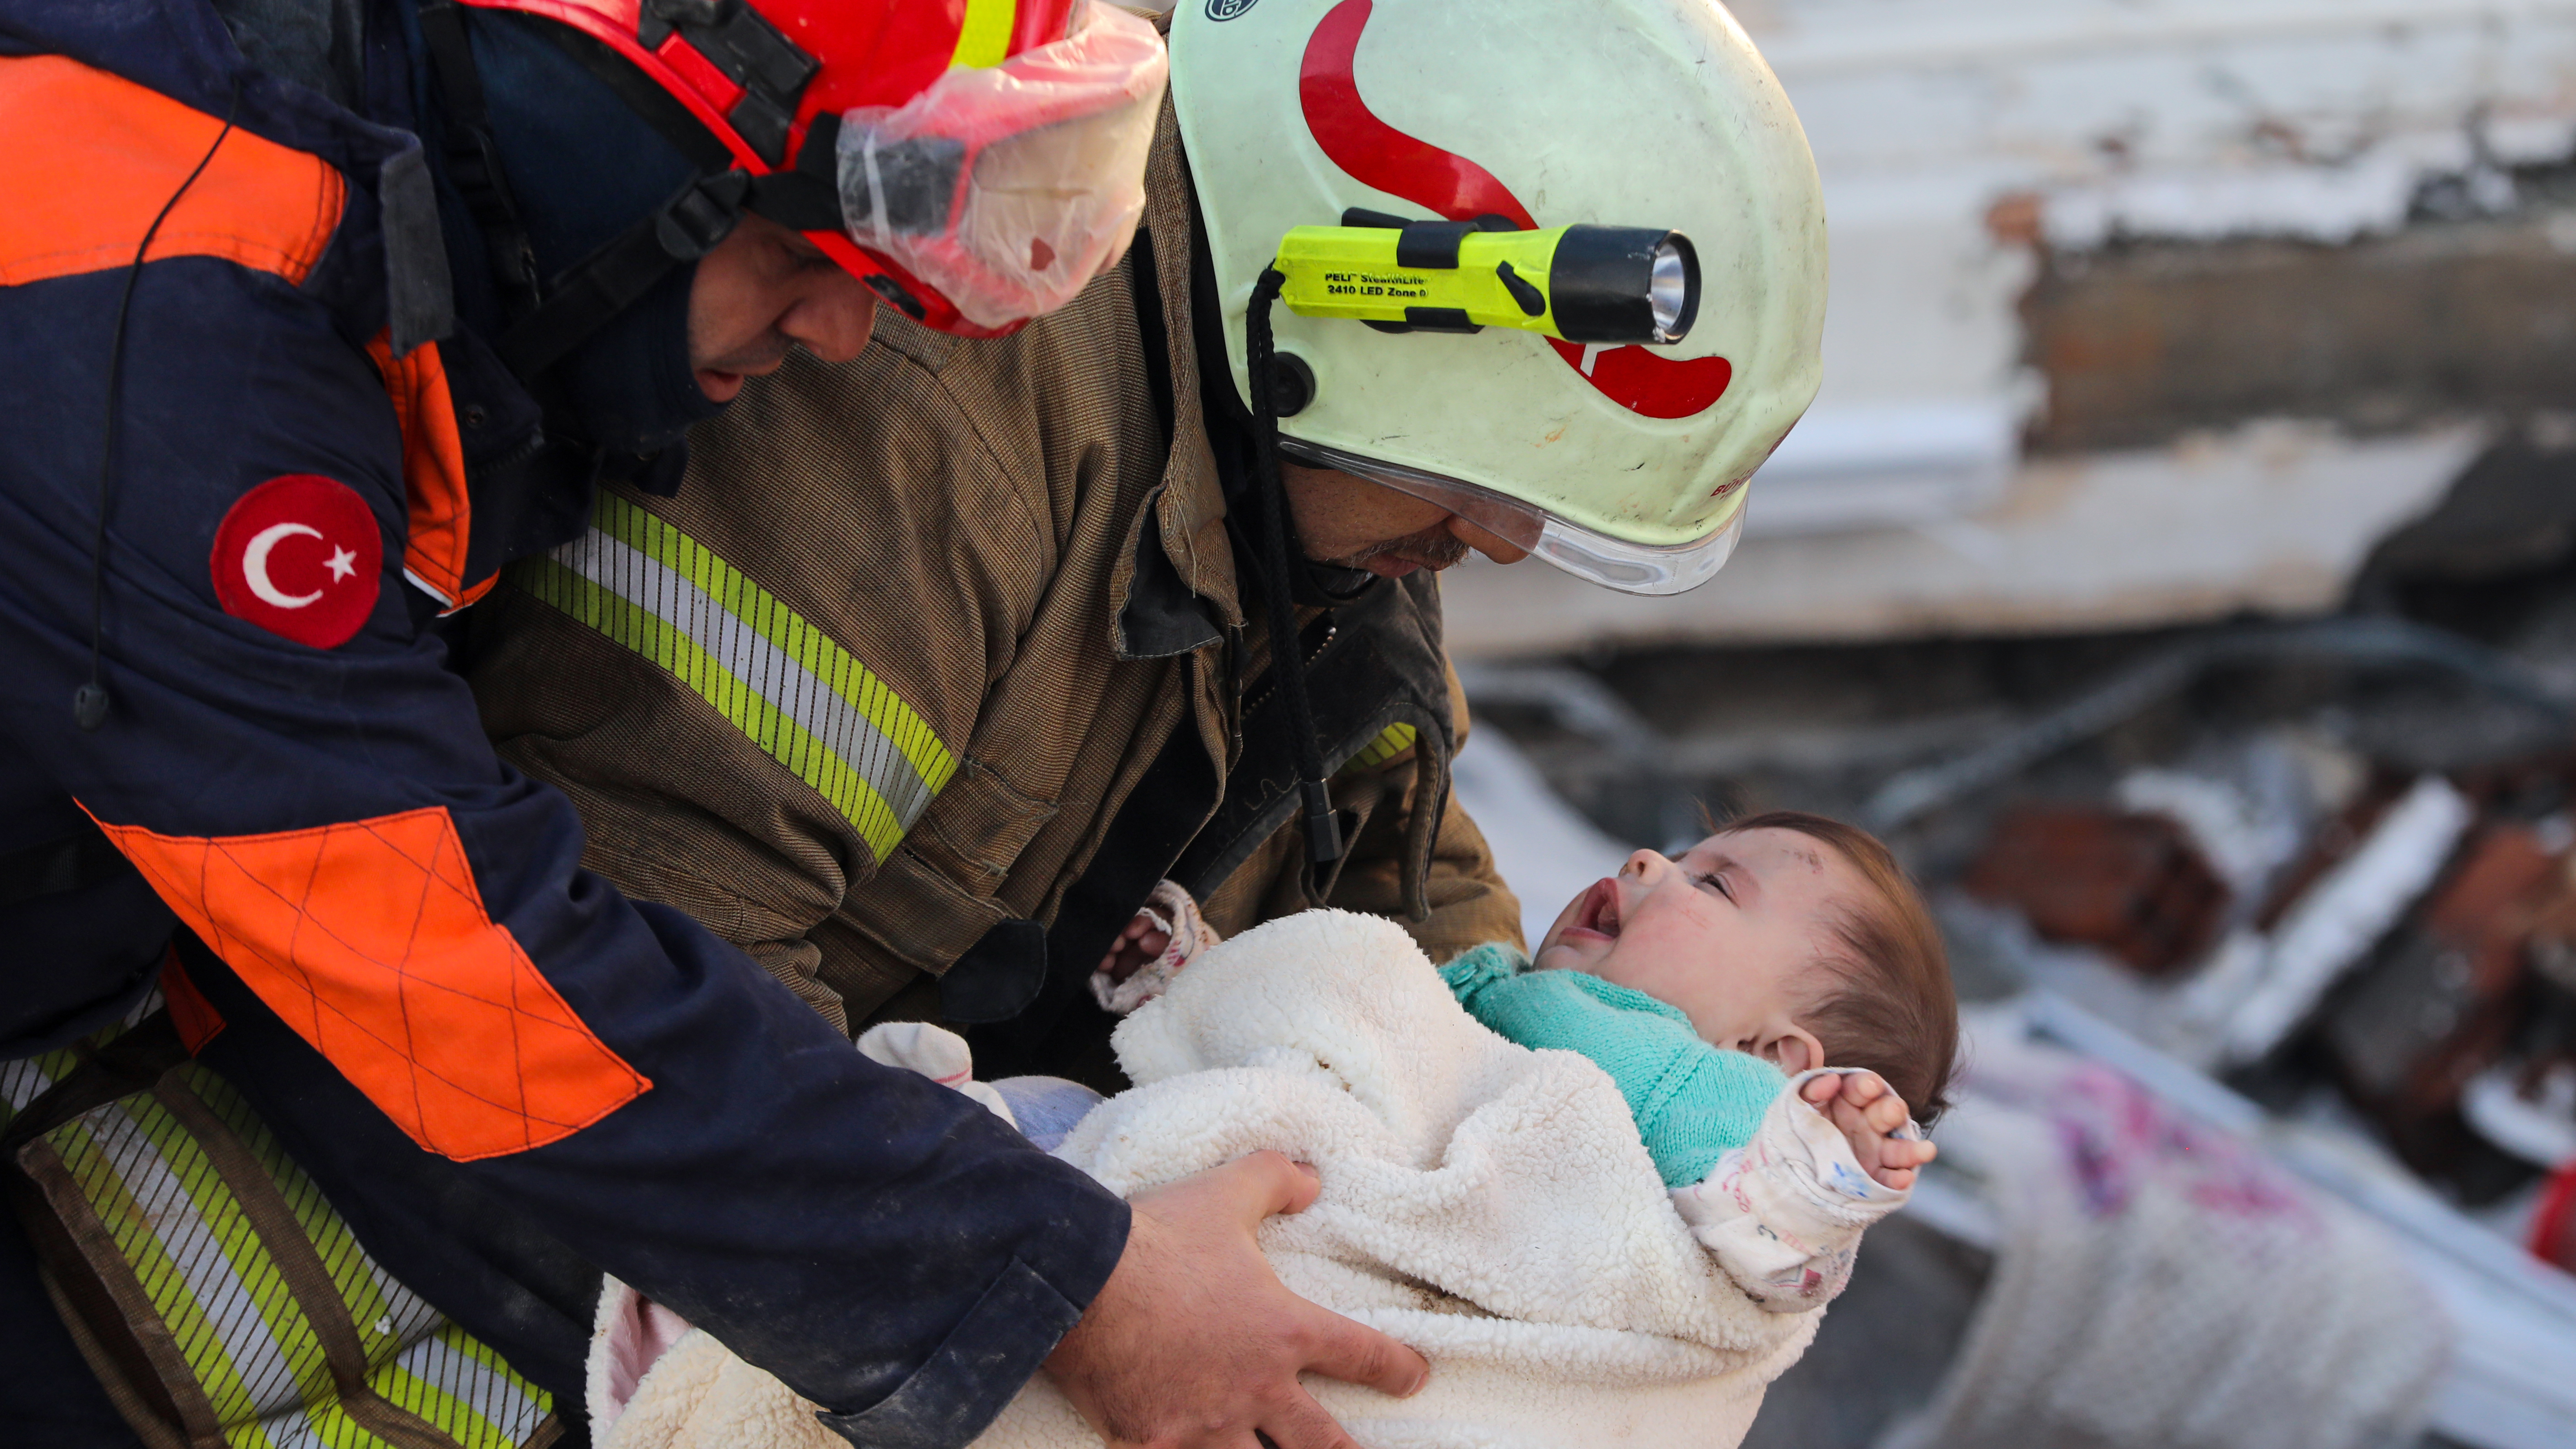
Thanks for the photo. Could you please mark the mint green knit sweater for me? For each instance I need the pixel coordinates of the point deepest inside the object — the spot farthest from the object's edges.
(1692, 1101)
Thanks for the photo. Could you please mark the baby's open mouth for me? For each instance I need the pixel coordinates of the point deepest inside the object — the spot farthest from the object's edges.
(1600, 913)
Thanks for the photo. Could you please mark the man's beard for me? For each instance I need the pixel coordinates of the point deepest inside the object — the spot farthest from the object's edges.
(1434, 548)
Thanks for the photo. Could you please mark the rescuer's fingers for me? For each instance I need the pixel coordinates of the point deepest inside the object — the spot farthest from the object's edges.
(1301, 1423)
(1194, 1343)
(1261, 1184)
(1338, 1348)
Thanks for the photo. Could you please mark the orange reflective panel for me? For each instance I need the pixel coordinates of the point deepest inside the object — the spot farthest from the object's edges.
(92, 158)
(441, 511)
(370, 940)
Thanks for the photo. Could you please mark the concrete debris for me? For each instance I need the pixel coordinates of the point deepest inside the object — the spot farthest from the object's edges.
(2383, 643)
(2134, 885)
(2326, 933)
(2443, 1004)
(2244, 838)
(2532, 1116)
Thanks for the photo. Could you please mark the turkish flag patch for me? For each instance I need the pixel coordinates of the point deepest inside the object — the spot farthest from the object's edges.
(300, 556)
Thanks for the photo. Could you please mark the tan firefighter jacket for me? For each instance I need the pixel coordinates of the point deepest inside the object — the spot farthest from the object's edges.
(936, 663)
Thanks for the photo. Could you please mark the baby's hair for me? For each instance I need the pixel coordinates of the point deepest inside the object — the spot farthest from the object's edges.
(1892, 1008)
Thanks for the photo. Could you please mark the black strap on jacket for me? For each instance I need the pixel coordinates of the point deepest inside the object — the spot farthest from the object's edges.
(613, 278)
(549, 319)
(130, 1063)
(474, 159)
(1323, 828)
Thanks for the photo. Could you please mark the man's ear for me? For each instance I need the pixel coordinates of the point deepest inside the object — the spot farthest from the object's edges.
(1792, 1048)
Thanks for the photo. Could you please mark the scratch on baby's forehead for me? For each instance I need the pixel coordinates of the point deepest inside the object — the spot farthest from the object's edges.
(1796, 848)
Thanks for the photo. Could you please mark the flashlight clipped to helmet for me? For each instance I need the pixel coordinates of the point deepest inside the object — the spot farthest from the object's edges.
(1593, 285)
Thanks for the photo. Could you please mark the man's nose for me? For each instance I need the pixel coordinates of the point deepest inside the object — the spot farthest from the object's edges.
(833, 320)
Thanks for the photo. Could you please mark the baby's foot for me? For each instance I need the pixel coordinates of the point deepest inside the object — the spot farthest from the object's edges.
(1868, 1113)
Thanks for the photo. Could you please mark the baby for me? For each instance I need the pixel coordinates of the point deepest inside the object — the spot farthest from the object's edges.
(1786, 956)
(1765, 1006)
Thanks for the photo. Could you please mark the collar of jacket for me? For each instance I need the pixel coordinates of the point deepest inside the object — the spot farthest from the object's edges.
(388, 271)
(181, 49)
(1174, 590)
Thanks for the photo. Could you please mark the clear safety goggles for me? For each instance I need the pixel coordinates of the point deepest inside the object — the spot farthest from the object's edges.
(1613, 563)
(1007, 188)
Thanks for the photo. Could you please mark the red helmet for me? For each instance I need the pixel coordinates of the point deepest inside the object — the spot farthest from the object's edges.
(903, 136)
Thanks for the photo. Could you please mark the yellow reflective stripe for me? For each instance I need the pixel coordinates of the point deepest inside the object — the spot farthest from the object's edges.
(808, 647)
(245, 1339)
(131, 1226)
(456, 1382)
(372, 1296)
(984, 37)
(781, 738)
(289, 1334)
(28, 1078)
(807, 702)
(326, 1427)
(1395, 740)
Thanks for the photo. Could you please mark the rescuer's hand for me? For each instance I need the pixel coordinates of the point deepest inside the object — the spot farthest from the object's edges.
(1195, 1344)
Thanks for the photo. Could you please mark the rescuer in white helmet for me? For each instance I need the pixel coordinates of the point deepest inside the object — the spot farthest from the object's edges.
(1622, 461)
(941, 660)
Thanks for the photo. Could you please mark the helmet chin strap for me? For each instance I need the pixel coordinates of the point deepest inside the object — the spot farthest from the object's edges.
(547, 320)
(1278, 608)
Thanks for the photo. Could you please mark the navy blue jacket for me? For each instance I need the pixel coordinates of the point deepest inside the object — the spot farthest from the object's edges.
(308, 468)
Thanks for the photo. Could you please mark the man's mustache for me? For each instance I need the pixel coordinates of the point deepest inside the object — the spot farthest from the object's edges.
(1433, 548)
(760, 355)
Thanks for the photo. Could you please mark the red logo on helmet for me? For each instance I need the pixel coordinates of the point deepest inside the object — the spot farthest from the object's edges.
(1377, 154)
(302, 557)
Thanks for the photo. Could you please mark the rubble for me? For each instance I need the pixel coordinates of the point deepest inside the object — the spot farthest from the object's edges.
(2312, 885)
(2326, 929)
(2134, 885)
(2445, 1001)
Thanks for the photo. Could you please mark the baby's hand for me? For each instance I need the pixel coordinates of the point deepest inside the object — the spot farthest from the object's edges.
(1866, 1110)
(1144, 940)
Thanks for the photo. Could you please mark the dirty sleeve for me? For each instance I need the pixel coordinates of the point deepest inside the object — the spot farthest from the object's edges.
(295, 771)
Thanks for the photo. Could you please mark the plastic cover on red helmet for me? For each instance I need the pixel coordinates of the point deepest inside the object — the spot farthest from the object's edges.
(1007, 188)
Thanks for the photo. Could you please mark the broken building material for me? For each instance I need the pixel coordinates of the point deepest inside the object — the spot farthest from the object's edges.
(2132, 884)
(2326, 931)
(2442, 1003)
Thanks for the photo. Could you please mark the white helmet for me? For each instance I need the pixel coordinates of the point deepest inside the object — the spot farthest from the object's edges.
(1619, 462)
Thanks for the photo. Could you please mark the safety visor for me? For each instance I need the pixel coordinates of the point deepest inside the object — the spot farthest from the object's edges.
(1006, 188)
(1588, 554)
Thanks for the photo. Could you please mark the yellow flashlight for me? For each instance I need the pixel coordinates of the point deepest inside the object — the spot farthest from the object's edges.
(1588, 284)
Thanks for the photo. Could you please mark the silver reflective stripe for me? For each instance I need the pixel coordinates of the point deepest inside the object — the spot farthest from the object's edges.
(789, 686)
(221, 1311)
(795, 692)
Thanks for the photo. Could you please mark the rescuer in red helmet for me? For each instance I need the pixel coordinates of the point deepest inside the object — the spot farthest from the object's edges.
(314, 313)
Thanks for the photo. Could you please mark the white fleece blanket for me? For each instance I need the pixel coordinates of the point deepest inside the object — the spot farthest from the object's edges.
(1487, 1204)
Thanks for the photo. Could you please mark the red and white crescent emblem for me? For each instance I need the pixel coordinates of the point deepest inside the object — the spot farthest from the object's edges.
(302, 557)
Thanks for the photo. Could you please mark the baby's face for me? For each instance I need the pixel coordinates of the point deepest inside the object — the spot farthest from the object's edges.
(1730, 933)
